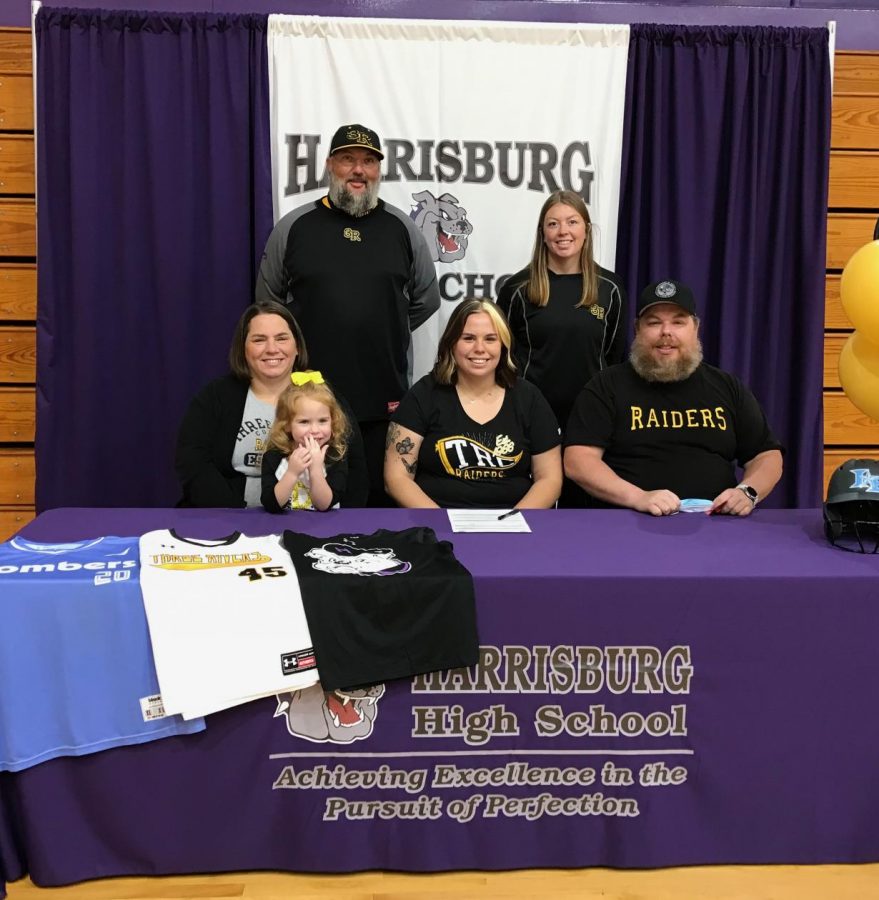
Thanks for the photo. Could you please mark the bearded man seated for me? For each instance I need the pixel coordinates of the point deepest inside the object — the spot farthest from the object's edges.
(665, 428)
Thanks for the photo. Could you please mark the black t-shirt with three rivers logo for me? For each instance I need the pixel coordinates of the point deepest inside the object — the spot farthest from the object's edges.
(462, 463)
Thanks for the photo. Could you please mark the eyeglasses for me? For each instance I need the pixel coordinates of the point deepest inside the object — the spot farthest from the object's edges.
(348, 161)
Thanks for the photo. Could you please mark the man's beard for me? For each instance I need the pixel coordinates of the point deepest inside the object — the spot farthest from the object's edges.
(353, 204)
(651, 369)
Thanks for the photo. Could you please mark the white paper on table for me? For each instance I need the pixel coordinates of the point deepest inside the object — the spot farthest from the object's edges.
(487, 520)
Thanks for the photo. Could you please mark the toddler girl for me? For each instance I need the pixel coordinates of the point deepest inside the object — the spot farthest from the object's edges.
(305, 464)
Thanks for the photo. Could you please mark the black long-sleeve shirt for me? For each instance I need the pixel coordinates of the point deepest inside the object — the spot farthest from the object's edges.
(560, 346)
(357, 286)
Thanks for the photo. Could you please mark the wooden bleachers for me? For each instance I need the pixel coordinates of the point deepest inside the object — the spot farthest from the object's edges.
(18, 281)
(853, 201)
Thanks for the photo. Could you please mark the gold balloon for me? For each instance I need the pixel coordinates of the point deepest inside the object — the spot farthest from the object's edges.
(859, 373)
(859, 290)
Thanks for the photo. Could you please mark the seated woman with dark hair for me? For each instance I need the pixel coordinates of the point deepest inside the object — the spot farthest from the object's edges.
(472, 434)
(225, 429)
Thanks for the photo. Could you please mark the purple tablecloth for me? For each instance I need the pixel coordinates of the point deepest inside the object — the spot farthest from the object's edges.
(652, 692)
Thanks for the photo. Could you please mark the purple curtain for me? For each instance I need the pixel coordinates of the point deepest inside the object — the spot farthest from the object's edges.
(154, 191)
(724, 186)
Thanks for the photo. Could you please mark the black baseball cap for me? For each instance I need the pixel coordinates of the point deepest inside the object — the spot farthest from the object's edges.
(667, 291)
(356, 136)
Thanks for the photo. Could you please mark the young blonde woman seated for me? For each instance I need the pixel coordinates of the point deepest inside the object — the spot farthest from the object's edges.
(471, 433)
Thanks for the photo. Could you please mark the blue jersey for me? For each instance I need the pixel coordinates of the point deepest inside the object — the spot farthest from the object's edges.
(76, 668)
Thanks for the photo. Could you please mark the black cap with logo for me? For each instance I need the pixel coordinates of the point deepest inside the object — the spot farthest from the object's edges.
(667, 291)
(356, 136)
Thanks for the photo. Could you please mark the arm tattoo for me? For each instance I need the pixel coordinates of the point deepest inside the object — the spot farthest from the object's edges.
(407, 445)
(393, 434)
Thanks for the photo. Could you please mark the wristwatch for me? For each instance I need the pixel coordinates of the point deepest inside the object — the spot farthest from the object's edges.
(749, 492)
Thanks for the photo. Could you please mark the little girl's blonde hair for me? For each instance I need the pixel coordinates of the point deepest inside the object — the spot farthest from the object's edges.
(309, 384)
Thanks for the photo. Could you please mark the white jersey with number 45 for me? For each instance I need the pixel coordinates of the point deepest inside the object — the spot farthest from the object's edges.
(225, 618)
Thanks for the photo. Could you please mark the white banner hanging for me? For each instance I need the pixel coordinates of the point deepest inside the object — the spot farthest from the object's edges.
(479, 121)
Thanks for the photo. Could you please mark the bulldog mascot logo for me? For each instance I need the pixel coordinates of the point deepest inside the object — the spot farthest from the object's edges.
(335, 717)
(336, 558)
(444, 225)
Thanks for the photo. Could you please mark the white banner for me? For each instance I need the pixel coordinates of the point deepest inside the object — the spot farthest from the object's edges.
(479, 121)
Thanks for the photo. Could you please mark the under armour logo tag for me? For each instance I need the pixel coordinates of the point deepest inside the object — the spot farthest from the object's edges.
(299, 661)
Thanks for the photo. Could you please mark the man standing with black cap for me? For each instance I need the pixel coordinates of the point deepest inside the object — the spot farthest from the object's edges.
(666, 427)
(357, 275)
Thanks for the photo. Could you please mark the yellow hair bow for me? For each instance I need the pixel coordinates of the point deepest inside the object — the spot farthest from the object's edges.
(300, 378)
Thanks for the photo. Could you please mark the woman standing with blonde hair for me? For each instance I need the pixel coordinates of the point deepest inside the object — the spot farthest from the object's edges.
(566, 313)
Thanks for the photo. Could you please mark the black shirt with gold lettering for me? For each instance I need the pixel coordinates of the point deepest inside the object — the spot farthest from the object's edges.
(464, 464)
(683, 436)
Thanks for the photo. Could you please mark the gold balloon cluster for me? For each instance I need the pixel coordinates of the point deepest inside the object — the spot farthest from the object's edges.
(859, 359)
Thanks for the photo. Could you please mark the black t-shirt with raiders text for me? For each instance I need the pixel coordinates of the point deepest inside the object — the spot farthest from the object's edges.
(684, 436)
(464, 464)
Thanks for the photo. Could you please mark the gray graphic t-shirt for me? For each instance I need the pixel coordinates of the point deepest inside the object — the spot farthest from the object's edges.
(250, 444)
